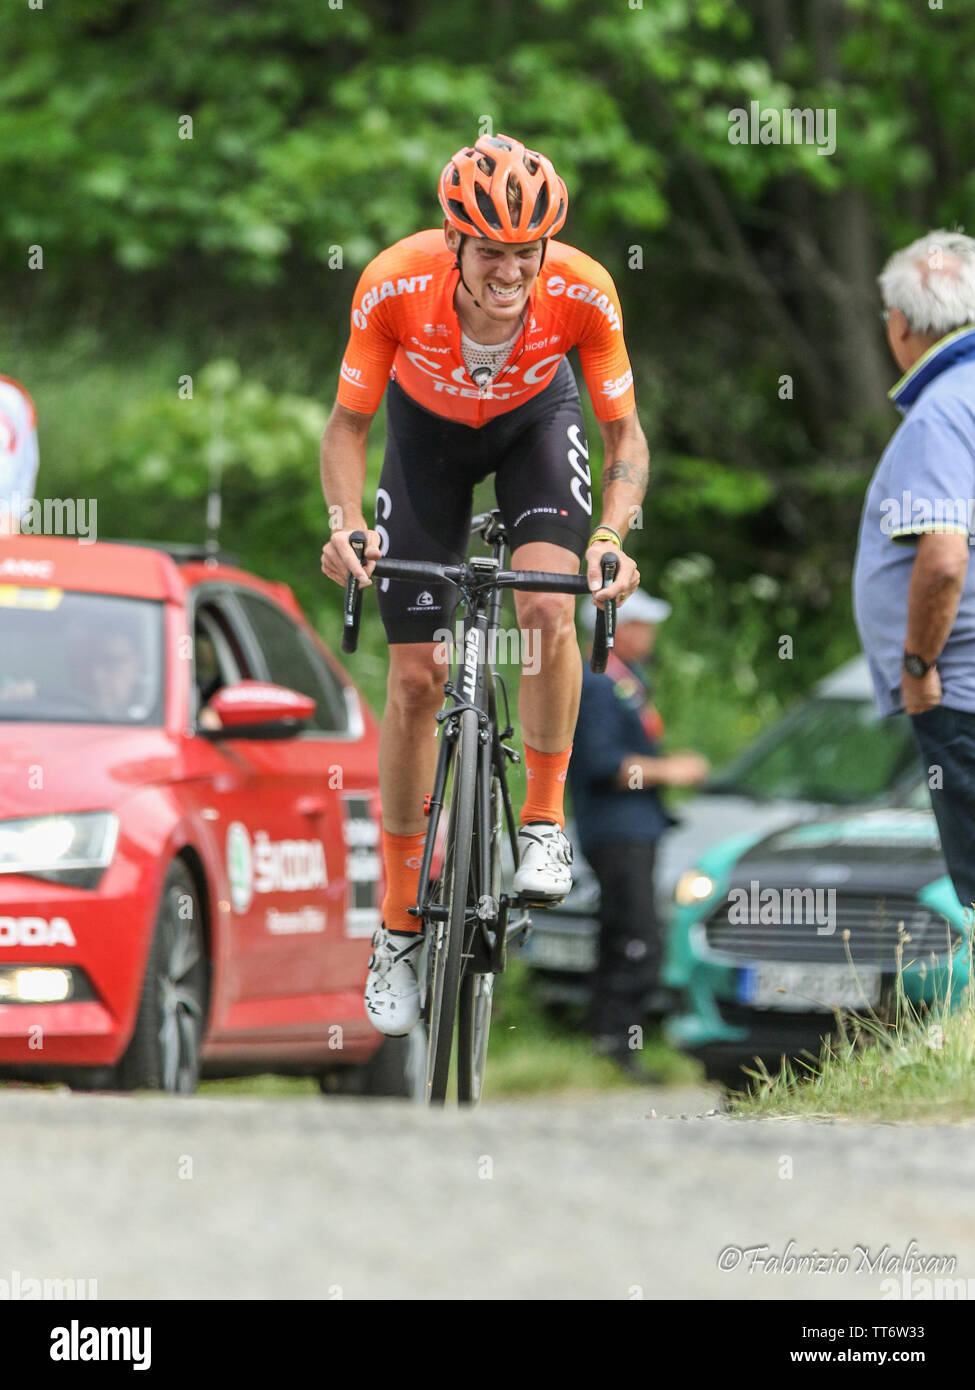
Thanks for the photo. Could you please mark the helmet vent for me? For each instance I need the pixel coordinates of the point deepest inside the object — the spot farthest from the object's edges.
(459, 211)
(541, 208)
(487, 208)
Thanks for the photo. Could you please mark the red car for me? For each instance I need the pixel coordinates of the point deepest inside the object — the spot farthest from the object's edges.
(189, 828)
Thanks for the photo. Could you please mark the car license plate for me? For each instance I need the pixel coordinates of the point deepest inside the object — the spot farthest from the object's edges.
(561, 951)
(808, 988)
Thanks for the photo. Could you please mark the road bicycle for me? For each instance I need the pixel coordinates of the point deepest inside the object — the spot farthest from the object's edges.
(469, 923)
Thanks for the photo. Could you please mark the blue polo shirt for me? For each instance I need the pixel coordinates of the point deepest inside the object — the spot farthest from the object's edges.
(924, 483)
(609, 729)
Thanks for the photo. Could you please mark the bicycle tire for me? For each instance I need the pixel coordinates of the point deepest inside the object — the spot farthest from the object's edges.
(476, 991)
(448, 940)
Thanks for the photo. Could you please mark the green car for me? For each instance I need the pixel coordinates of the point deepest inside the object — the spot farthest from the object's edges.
(770, 934)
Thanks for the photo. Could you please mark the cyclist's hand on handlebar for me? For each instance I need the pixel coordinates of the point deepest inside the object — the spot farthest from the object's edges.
(627, 575)
(339, 559)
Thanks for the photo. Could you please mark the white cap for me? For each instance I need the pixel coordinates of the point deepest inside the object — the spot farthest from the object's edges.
(639, 607)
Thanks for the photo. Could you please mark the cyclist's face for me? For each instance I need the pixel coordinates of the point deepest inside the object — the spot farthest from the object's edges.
(500, 277)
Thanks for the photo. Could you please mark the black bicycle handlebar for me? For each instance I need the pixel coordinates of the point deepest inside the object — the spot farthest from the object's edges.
(604, 637)
(353, 597)
(535, 581)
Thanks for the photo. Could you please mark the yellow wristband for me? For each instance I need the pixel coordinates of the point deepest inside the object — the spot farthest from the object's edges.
(605, 533)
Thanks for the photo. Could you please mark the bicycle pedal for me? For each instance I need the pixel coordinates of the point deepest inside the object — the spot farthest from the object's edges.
(523, 900)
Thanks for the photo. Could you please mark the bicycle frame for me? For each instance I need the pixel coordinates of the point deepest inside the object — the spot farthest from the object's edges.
(472, 686)
(480, 582)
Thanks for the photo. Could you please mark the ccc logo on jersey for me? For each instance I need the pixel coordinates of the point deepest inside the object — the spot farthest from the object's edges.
(581, 485)
(510, 382)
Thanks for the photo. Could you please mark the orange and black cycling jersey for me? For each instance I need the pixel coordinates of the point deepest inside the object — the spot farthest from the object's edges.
(405, 327)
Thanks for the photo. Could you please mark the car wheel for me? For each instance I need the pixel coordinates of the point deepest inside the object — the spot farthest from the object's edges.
(164, 1054)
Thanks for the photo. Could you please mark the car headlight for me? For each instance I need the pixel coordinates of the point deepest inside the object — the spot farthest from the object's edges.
(693, 887)
(73, 849)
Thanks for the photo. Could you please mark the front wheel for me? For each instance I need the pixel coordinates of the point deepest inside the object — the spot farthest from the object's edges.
(477, 990)
(473, 1030)
(445, 937)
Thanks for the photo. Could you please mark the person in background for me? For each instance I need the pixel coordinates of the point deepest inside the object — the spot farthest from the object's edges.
(615, 771)
(108, 672)
(913, 588)
(18, 453)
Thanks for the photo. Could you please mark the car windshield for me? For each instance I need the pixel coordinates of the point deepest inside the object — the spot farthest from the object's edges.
(830, 750)
(77, 658)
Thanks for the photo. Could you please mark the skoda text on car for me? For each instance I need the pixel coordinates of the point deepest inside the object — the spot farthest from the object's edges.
(189, 825)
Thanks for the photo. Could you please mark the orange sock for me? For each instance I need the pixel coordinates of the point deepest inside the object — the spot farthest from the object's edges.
(545, 773)
(402, 855)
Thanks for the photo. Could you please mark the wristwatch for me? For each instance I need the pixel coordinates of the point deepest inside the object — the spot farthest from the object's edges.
(916, 666)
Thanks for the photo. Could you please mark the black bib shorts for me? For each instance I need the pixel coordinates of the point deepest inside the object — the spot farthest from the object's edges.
(540, 458)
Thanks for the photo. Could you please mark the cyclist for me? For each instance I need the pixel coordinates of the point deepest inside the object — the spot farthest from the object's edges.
(467, 330)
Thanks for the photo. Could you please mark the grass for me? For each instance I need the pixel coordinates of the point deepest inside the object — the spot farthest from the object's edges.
(267, 1085)
(532, 1053)
(919, 1066)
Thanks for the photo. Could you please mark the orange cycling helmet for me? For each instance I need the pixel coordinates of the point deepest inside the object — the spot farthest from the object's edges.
(474, 191)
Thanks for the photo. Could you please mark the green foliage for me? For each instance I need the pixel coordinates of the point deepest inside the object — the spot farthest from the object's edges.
(533, 1050)
(318, 133)
(153, 471)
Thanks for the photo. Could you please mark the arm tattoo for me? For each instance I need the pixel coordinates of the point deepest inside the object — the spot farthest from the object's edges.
(636, 473)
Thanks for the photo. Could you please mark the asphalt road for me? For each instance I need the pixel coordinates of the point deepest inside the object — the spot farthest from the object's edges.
(169, 1198)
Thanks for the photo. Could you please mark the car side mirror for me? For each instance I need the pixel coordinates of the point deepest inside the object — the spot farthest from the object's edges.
(257, 709)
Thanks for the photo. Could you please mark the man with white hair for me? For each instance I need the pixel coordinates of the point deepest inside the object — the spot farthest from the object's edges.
(18, 453)
(913, 589)
(615, 771)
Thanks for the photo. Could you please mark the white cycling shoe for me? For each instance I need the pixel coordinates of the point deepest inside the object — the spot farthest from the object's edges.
(545, 856)
(392, 992)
